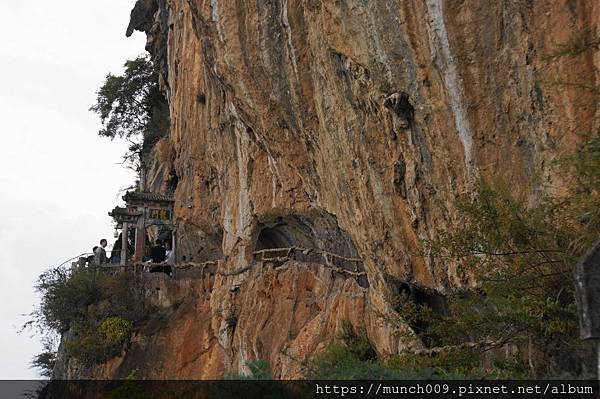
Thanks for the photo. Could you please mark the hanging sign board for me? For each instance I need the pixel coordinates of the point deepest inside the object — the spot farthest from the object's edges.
(162, 214)
(122, 215)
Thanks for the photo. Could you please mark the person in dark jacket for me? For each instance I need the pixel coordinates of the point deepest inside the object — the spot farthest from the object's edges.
(158, 252)
(90, 259)
(100, 253)
(115, 255)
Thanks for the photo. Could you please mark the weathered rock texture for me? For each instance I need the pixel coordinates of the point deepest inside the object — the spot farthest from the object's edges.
(355, 125)
(213, 322)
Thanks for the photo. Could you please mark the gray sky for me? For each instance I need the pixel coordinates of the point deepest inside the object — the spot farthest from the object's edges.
(58, 179)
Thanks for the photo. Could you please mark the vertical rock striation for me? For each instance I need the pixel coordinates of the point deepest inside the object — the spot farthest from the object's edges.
(365, 120)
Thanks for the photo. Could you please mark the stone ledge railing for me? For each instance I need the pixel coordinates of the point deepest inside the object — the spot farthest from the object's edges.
(353, 267)
(342, 264)
(350, 265)
(211, 266)
(81, 260)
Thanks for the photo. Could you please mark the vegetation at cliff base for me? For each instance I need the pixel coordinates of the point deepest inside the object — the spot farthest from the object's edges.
(349, 356)
(259, 369)
(96, 313)
(515, 315)
(519, 319)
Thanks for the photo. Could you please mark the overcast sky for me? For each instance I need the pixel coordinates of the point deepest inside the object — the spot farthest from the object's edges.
(58, 179)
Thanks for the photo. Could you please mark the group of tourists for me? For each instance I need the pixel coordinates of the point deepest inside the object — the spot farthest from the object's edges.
(161, 258)
(160, 253)
(99, 256)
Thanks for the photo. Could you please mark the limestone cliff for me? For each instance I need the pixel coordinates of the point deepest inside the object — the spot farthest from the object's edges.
(350, 127)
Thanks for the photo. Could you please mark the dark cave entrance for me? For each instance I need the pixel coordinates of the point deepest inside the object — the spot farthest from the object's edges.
(421, 297)
(283, 236)
(270, 237)
(311, 231)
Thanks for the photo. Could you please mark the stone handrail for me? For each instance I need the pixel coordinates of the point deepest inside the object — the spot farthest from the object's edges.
(329, 259)
(75, 260)
(338, 263)
(193, 265)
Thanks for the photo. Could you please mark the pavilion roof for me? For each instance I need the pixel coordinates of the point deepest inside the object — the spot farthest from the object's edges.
(138, 196)
(120, 211)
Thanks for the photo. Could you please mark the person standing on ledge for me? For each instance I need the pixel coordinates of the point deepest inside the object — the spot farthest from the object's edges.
(170, 255)
(158, 253)
(100, 253)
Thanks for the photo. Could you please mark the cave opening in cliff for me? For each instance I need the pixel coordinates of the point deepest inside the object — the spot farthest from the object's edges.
(271, 238)
(317, 230)
(172, 181)
(284, 235)
(421, 298)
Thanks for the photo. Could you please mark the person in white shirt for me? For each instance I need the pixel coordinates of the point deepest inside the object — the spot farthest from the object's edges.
(169, 256)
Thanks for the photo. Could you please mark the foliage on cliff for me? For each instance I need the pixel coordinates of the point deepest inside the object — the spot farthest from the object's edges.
(259, 369)
(351, 356)
(95, 342)
(132, 106)
(521, 260)
(519, 320)
(521, 255)
(45, 362)
(96, 313)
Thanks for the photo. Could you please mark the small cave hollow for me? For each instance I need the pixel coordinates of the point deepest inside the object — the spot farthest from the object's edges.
(311, 231)
(283, 236)
(431, 298)
(198, 245)
(172, 181)
(314, 237)
(422, 296)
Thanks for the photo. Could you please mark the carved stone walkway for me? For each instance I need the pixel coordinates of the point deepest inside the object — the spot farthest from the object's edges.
(350, 267)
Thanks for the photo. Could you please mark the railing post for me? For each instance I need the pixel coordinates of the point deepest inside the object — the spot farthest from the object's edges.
(124, 246)
(173, 242)
(140, 239)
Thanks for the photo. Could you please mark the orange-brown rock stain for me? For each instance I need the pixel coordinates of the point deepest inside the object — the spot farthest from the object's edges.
(294, 122)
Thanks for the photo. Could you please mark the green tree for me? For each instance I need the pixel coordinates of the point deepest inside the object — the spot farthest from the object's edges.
(519, 254)
(132, 106)
(520, 258)
(95, 312)
(45, 361)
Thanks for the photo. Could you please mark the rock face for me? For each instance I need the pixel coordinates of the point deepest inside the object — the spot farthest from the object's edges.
(216, 323)
(587, 284)
(352, 127)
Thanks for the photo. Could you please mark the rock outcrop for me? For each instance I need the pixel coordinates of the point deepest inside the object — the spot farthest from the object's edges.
(352, 127)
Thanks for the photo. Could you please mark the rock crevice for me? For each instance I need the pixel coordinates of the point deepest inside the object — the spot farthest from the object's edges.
(350, 127)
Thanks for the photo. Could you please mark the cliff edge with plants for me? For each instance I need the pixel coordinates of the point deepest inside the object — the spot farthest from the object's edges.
(369, 130)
